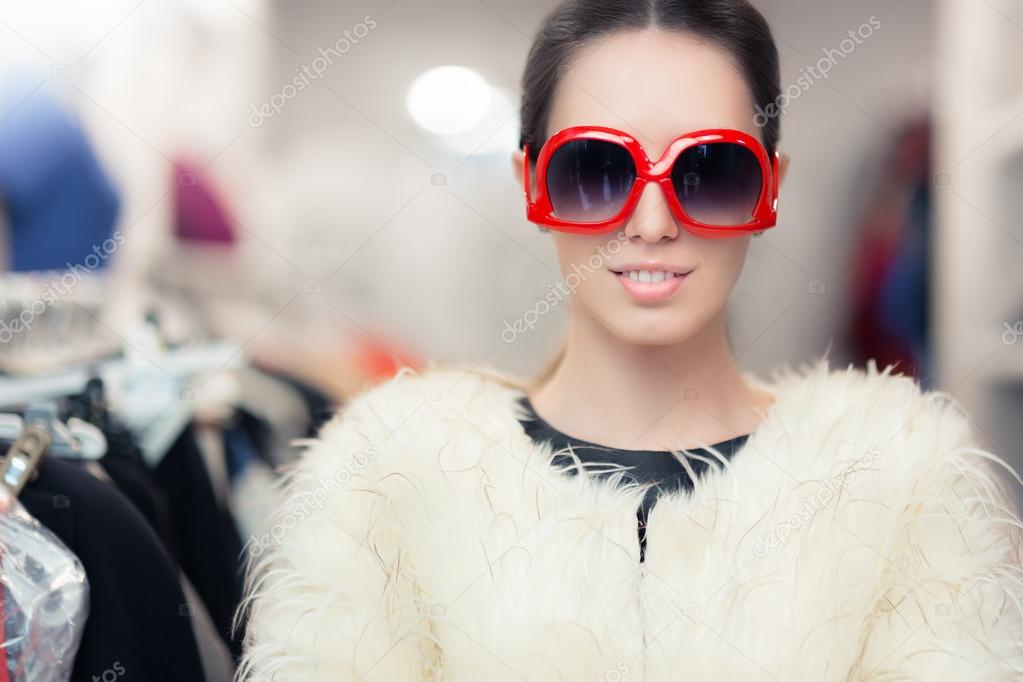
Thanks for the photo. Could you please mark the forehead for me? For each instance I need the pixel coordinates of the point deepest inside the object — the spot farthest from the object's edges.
(654, 85)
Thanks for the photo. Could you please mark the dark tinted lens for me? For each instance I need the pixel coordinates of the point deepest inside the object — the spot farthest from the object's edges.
(589, 180)
(718, 183)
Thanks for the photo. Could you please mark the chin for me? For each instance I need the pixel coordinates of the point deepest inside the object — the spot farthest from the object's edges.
(664, 327)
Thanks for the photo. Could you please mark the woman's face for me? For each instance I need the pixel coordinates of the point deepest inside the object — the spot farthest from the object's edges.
(655, 85)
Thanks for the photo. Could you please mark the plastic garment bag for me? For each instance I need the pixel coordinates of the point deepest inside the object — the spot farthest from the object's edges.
(44, 599)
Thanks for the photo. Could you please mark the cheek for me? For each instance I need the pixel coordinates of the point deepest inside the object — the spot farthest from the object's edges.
(584, 258)
(723, 261)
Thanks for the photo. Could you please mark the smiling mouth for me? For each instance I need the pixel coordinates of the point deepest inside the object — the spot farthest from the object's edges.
(649, 276)
(651, 284)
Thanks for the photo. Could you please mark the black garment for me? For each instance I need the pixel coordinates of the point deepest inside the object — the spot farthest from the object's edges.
(138, 616)
(204, 540)
(645, 466)
(132, 478)
(123, 461)
(178, 501)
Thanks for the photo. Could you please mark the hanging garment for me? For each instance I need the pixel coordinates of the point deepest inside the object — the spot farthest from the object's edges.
(859, 533)
(136, 482)
(44, 595)
(123, 466)
(216, 658)
(205, 539)
(254, 495)
(138, 615)
(61, 206)
(904, 297)
(199, 213)
(891, 277)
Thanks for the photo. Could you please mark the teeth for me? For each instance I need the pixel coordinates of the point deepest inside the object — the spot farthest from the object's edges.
(650, 276)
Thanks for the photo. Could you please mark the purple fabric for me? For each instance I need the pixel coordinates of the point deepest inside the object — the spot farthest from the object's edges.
(199, 214)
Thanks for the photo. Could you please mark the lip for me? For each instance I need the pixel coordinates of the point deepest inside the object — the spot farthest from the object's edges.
(650, 291)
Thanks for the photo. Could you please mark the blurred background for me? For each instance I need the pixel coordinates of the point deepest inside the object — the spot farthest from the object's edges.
(235, 213)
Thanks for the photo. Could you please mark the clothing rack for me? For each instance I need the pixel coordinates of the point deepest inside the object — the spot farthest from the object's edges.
(152, 489)
(149, 392)
(179, 363)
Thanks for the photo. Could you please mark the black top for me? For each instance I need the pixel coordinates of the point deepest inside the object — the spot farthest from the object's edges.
(137, 622)
(660, 467)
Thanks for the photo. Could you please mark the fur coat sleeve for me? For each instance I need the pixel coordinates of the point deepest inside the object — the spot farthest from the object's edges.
(861, 534)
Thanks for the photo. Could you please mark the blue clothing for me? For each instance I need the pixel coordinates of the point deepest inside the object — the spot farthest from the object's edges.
(61, 207)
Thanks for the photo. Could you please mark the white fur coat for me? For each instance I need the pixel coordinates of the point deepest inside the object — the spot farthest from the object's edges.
(859, 534)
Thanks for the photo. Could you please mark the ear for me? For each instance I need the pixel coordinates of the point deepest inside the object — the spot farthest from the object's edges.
(783, 168)
(518, 167)
(517, 158)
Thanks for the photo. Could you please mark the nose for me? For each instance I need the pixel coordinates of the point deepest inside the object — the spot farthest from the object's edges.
(652, 219)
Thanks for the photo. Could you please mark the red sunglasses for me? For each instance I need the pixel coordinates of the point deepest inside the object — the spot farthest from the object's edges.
(718, 182)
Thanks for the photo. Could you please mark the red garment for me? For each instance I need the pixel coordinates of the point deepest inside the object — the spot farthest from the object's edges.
(878, 247)
(867, 333)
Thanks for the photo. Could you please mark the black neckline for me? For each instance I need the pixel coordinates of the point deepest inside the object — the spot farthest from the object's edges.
(534, 424)
(660, 467)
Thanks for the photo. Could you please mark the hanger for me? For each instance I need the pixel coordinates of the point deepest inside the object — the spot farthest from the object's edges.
(148, 392)
(23, 459)
(77, 439)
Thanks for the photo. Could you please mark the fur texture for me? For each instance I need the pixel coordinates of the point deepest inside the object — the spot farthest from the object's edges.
(860, 534)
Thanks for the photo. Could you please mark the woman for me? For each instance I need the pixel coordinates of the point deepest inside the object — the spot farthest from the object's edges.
(825, 525)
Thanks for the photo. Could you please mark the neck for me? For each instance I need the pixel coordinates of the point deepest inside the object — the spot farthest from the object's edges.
(611, 391)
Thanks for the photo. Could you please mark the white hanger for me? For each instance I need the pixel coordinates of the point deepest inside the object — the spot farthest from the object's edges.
(75, 440)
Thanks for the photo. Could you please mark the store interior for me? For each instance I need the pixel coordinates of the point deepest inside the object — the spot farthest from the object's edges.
(220, 220)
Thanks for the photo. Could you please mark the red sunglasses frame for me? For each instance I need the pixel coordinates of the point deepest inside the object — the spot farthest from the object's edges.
(541, 211)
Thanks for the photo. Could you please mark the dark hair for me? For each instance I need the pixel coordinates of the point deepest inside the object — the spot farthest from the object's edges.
(734, 25)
